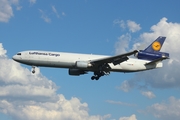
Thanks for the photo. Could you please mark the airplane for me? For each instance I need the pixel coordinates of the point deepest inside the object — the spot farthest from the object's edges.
(100, 65)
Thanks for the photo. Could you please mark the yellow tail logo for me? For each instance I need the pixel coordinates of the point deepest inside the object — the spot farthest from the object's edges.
(156, 46)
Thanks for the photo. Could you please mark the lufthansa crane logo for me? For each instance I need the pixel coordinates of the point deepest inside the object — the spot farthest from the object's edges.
(156, 46)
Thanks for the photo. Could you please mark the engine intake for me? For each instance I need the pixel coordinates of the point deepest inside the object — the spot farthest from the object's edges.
(83, 64)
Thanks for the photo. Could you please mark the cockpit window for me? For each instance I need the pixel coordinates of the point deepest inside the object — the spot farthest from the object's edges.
(19, 54)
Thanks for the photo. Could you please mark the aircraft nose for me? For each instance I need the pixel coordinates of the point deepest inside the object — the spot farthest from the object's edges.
(15, 57)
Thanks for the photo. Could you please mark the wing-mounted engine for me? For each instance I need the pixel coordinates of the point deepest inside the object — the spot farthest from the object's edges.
(76, 72)
(83, 64)
(150, 55)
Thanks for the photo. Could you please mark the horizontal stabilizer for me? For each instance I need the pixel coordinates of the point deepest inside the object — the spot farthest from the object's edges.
(157, 60)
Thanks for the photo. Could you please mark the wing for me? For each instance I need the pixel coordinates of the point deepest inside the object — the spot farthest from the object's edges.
(114, 59)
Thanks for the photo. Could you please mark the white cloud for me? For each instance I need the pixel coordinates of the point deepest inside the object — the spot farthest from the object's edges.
(132, 117)
(44, 16)
(26, 96)
(2, 50)
(125, 86)
(6, 11)
(61, 109)
(63, 13)
(55, 11)
(120, 22)
(168, 76)
(148, 94)
(168, 110)
(119, 103)
(18, 7)
(133, 27)
(122, 45)
(32, 2)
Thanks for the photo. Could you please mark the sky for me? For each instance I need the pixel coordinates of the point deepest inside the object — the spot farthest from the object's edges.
(92, 27)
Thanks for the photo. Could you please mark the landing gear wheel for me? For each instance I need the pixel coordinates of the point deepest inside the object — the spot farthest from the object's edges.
(93, 77)
(97, 78)
(98, 74)
(33, 69)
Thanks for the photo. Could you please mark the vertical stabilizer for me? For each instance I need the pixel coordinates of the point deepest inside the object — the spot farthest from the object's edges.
(156, 45)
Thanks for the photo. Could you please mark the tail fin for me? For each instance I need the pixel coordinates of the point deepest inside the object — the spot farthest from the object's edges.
(152, 51)
(156, 45)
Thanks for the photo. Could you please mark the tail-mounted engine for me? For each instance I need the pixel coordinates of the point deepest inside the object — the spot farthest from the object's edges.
(150, 55)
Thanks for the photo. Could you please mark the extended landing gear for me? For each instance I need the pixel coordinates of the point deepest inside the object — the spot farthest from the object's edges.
(95, 77)
(98, 74)
(33, 69)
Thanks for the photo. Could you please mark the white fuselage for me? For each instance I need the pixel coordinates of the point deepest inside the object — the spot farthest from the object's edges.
(68, 60)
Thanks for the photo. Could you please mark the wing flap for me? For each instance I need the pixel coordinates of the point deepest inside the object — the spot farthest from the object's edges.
(120, 60)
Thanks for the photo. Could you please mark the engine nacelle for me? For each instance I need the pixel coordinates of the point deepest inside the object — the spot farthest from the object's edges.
(83, 64)
(76, 72)
(150, 55)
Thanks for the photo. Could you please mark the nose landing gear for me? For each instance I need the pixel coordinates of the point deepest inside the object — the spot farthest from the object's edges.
(33, 69)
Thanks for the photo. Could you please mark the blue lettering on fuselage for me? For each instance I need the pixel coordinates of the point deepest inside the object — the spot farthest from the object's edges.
(47, 54)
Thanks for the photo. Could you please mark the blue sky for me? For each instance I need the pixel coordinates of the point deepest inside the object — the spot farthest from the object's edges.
(97, 27)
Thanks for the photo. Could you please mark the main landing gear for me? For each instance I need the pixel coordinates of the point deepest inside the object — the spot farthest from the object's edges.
(98, 74)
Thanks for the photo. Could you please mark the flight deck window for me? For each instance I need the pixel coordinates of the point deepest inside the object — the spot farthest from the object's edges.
(19, 54)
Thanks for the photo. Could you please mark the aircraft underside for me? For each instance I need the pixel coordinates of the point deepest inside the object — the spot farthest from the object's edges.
(97, 71)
